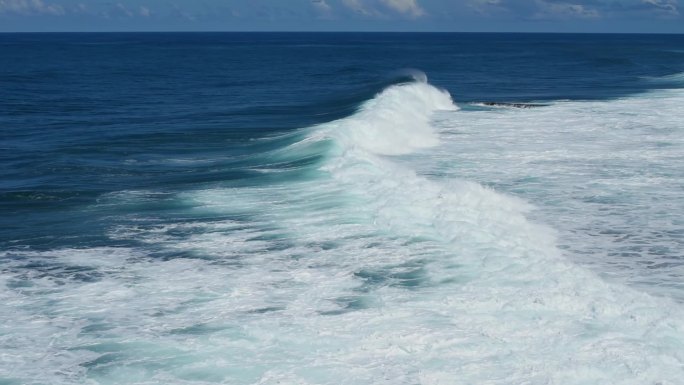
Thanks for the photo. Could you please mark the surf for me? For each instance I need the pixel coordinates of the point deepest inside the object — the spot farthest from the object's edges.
(354, 268)
(408, 252)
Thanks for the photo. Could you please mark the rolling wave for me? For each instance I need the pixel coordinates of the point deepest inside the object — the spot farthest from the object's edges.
(358, 271)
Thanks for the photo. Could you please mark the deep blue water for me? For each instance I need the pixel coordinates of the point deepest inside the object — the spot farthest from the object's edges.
(235, 152)
(87, 114)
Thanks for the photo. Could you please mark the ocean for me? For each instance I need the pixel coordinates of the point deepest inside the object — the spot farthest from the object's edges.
(341, 208)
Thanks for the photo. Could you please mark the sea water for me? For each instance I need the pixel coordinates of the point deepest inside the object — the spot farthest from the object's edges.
(341, 209)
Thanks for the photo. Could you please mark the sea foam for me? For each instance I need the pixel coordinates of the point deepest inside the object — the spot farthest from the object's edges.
(394, 122)
(366, 272)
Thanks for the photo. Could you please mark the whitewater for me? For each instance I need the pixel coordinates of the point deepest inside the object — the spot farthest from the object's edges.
(416, 241)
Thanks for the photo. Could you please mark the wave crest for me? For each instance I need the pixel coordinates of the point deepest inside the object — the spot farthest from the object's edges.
(396, 121)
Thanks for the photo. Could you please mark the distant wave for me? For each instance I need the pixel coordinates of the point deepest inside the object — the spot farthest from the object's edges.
(676, 79)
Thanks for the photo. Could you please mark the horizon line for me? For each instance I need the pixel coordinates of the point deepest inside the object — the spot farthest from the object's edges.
(350, 31)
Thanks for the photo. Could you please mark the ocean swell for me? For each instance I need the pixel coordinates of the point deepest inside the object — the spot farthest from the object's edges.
(362, 272)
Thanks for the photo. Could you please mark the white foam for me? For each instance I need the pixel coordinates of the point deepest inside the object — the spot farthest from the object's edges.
(607, 174)
(370, 273)
(394, 122)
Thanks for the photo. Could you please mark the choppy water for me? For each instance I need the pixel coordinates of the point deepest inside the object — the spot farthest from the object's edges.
(305, 209)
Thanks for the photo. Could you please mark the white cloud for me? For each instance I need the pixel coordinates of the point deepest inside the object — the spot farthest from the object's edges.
(178, 12)
(119, 10)
(668, 6)
(358, 6)
(485, 3)
(370, 7)
(487, 7)
(122, 10)
(406, 7)
(565, 10)
(30, 7)
(322, 7)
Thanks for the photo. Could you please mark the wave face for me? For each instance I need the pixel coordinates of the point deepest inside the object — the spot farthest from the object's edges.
(366, 268)
(395, 122)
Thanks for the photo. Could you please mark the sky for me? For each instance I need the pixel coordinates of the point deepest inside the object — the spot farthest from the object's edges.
(637, 16)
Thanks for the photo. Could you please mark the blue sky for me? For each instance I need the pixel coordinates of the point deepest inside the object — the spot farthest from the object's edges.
(343, 15)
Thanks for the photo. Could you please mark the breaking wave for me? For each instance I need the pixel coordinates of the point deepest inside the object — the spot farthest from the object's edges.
(363, 272)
